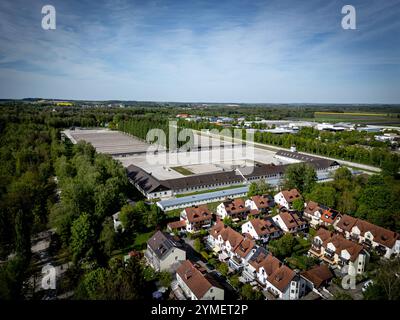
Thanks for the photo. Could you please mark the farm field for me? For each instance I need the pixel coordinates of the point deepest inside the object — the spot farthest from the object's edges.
(357, 117)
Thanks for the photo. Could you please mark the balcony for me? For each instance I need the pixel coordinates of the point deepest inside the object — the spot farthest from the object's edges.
(328, 257)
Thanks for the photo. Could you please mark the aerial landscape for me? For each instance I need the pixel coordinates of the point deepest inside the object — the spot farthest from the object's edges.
(181, 150)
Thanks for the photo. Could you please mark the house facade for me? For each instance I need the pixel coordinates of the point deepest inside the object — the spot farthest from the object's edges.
(234, 208)
(285, 198)
(197, 284)
(163, 252)
(232, 248)
(384, 241)
(290, 222)
(261, 203)
(337, 251)
(262, 230)
(319, 215)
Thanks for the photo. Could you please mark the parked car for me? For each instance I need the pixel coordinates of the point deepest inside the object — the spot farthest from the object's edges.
(366, 285)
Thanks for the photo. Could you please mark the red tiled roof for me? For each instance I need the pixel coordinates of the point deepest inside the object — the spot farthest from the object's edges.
(235, 206)
(318, 275)
(194, 279)
(291, 195)
(196, 214)
(281, 277)
(263, 226)
(381, 235)
(176, 224)
(262, 202)
(291, 220)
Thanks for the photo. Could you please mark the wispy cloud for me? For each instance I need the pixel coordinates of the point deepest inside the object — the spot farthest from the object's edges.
(254, 51)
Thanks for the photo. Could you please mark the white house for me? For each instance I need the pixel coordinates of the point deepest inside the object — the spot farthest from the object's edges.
(285, 198)
(385, 241)
(285, 284)
(197, 284)
(261, 229)
(163, 252)
(335, 250)
(276, 279)
(232, 248)
(261, 203)
(320, 215)
(290, 222)
(234, 208)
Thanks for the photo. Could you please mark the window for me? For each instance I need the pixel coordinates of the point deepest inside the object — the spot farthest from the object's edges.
(176, 258)
(211, 290)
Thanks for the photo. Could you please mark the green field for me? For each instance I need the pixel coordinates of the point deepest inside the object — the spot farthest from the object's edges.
(182, 170)
(358, 117)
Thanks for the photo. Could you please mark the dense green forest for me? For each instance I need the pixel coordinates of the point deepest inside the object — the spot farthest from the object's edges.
(47, 183)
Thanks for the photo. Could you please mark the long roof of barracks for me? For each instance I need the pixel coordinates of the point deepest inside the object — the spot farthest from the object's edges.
(148, 183)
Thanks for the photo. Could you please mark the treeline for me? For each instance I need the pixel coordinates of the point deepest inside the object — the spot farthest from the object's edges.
(359, 147)
(27, 192)
(373, 198)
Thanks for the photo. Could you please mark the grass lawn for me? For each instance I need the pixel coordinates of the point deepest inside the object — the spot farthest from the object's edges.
(141, 239)
(182, 170)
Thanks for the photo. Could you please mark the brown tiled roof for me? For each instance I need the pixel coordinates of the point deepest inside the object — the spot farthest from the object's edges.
(198, 283)
(291, 220)
(176, 224)
(291, 195)
(381, 235)
(324, 234)
(235, 206)
(262, 202)
(244, 247)
(281, 277)
(346, 223)
(196, 214)
(263, 226)
(312, 207)
(227, 234)
(341, 243)
(318, 275)
(267, 261)
(328, 215)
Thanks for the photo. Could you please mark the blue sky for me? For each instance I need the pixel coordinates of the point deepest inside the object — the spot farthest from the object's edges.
(212, 51)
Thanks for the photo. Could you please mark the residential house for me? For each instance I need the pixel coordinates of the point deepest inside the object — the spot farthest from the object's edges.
(290, 222)
(385, 241)
(164, 252)
(261, 203)
(197, 284)
(234, 208)
(285, 284)
(317, 277)
(232, 247)
(261, 229)
(260, 265)
(275, 279)
(319, 215)
(285, 198)
(337, 251)
(197, 218)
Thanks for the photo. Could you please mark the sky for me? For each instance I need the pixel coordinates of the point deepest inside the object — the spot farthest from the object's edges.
(202, 51)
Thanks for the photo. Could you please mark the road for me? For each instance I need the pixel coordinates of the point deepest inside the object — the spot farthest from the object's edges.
(269, 147)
